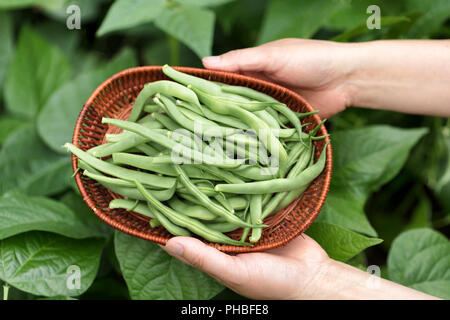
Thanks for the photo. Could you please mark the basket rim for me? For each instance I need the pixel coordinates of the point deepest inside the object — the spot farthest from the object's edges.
(205, 72)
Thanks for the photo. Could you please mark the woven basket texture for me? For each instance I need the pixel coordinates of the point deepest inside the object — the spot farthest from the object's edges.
(114, 98)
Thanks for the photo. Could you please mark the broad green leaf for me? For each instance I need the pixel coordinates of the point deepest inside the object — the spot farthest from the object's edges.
(8, 125)
(6, 44)
(39, 263)
(192, 26)
(362, 28)
(421, 215)
(125, 14)
(15, 4)
(37, 70)
(19, 213)
(354, 12)
(150, 273)
(363, 160)
(340, 243)
(420, 259)
(29, 166)
(435, 13)
(84, 213)
(57, 9)
(204, 3)
(295, 18)
(57, 119)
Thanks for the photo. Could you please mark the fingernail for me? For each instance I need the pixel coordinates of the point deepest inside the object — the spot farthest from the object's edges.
(212, 61)
(175, 249)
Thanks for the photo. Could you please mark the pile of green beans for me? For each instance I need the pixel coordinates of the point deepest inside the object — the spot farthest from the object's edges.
(197, 157)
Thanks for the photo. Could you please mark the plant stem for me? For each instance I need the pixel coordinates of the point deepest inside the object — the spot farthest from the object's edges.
(5, 292)
(174, 46)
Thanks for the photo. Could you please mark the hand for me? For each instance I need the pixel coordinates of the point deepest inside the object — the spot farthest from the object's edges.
(332, 76)
(289, 272)
(315, 69)
(300, 270)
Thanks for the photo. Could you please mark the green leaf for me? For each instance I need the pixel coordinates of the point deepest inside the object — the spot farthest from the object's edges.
(37, 70)
(435, 13)
(421, 216)
(28, 166)
(363, 160)
(56, 123)
(204, 3)
(362, 28)
(20, 213)
(340, 243)
(420, 259)
(15, 4)
(84, 213)
(295, 18)
(150, 273)
(192, 26)
(8, 125)
(125, 14)
(6, 44)
(38, 262)
(57, 8)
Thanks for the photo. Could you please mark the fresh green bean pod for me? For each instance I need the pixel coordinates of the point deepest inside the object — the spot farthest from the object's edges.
(255, 216)
(123, 173)
(144, 162)
(166, 142)
(163, 86)
(193, 211)
(206, 202)
(262, 130)
(167, 224)
(193, 225)
(277, 185)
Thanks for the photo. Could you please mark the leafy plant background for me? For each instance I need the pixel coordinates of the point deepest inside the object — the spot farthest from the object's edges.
(389, 203)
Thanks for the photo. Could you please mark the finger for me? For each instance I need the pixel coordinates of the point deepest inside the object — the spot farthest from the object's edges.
(195, 253)
(244, 60)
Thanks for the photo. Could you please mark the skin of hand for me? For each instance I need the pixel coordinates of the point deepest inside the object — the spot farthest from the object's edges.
(330, 76)
(315, 69)
(299, 270)
(408, 76)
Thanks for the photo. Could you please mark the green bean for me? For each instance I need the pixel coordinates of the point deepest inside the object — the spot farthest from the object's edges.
(154, 223)
(123, 173)
(150, 108)
(160, 139)
(128, 205)
(254, 172)
(167, 224)
(280, 107)
(255, 216)
(206, 202)
(194, 211)
(302, 161)
(144, 162)
(262, 130)
(198, 128)
(222, 226)
(187, 79)
(147, 149)
(227, 120)
(276, 185)
(294, 194)
(163, 86)
(166, 121)
(189, 223)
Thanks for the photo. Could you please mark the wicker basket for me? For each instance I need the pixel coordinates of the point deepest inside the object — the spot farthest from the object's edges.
(115, 97)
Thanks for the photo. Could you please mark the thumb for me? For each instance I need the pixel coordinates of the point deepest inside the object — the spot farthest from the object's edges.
(193, 252)
(244, 60)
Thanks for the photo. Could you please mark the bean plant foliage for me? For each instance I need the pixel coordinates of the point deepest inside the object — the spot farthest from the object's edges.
(388, 203)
